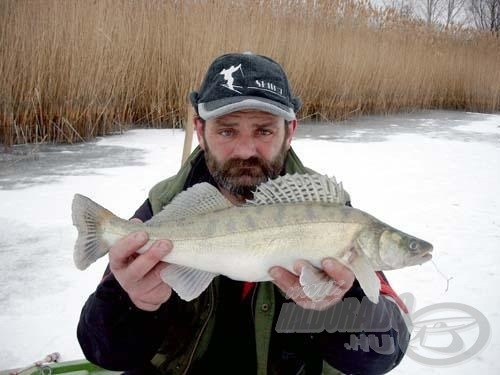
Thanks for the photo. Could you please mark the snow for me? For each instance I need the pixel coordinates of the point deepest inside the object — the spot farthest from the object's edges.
(433, 174)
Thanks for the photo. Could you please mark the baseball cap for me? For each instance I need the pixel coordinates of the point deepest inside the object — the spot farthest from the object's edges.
(237, 81)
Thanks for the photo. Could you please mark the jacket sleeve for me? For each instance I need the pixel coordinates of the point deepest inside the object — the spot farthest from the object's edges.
(364, 337)
(115, 334)
(112, 332)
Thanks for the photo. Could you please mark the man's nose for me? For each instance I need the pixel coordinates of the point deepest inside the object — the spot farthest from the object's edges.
(245, 148)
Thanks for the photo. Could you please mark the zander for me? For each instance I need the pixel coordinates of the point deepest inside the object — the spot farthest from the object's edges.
(290, 218)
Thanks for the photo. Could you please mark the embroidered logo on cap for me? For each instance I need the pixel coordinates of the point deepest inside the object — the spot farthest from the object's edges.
(268, 86)
(228, 76)
(259, 84)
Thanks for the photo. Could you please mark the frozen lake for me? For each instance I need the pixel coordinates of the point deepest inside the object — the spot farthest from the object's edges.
(434, 174)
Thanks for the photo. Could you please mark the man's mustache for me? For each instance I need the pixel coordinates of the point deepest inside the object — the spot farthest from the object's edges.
(233, 165)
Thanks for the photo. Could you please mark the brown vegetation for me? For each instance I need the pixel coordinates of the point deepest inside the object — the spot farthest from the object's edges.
(70, 70)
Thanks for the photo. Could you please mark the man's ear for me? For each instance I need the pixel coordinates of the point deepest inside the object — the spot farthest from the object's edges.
(292, 126)
(199, 124)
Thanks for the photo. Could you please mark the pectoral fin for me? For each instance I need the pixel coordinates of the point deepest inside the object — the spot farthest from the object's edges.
(367, 278)
(315, 283)
(187, 282)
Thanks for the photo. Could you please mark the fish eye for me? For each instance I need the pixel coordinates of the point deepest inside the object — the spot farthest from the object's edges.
(413, 245)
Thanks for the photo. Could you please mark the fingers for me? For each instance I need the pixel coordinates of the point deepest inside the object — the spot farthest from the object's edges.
(342, 276)
(289, 283)
(139, 274)
(139, 267)
(151, 292)
(124, 248)
(298, 265)
(284, 279)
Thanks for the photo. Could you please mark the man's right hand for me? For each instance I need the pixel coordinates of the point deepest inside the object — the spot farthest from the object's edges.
(139, 274)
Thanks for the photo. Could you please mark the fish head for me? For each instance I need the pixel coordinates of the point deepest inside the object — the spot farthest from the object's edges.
(398, 249)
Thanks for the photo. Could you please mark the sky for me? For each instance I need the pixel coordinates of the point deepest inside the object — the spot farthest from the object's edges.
(419, 8)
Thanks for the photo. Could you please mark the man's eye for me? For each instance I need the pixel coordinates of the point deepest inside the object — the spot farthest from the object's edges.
(265, 132)
(227, 132)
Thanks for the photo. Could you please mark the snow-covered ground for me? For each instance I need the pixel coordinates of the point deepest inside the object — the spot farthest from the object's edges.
(432, 174)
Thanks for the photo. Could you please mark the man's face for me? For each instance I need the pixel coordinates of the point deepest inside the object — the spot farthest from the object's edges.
(245, 148)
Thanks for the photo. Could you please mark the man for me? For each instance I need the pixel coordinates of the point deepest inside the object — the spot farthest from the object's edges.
(134, 322)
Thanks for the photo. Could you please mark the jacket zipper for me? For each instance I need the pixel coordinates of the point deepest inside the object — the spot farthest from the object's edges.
(212, 302)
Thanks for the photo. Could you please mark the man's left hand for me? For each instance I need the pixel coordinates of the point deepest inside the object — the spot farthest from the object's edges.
(342, 277)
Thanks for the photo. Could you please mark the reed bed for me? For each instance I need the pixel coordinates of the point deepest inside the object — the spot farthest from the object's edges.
(72, 70)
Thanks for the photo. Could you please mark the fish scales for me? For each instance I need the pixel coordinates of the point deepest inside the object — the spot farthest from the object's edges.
(259, 250)
(235, 220)
(264, 244)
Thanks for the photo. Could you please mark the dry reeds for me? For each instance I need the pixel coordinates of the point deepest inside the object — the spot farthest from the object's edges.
(70, 70)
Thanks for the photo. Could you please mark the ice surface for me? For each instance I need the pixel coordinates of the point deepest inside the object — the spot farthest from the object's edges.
(433, 174)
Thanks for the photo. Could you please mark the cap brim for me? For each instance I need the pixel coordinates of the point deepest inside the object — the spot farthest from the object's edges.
(218, 108)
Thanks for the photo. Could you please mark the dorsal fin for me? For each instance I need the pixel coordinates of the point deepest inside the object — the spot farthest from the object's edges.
(298, 188)
(198, 199)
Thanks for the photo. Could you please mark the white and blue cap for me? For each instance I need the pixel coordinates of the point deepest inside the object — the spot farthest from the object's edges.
(238, 81)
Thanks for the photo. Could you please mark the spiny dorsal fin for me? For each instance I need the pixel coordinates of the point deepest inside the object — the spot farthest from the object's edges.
(298, 188)
(198, 199)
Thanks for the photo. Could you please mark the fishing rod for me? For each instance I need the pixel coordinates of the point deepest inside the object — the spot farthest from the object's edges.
(188, 133)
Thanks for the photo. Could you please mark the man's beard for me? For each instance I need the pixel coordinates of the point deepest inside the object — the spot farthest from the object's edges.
(241, 176)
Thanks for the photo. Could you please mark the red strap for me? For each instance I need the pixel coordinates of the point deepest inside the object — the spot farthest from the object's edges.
(247, 288)
(386, 289)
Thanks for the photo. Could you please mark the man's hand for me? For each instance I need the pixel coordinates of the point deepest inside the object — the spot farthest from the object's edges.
(342, 276)
(139, 274)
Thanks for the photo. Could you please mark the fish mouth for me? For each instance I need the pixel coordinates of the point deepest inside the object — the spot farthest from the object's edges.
(422, 257)
(426, 251)
(426, 256)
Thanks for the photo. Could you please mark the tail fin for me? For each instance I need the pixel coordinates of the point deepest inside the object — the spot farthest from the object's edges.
(89, 218)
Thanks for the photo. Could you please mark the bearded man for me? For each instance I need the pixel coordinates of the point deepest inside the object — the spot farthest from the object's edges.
(134, 322)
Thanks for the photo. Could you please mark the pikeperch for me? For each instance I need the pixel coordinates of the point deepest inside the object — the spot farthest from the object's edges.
(290, 218)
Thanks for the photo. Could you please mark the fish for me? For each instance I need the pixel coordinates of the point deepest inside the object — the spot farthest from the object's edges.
(290, 218)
